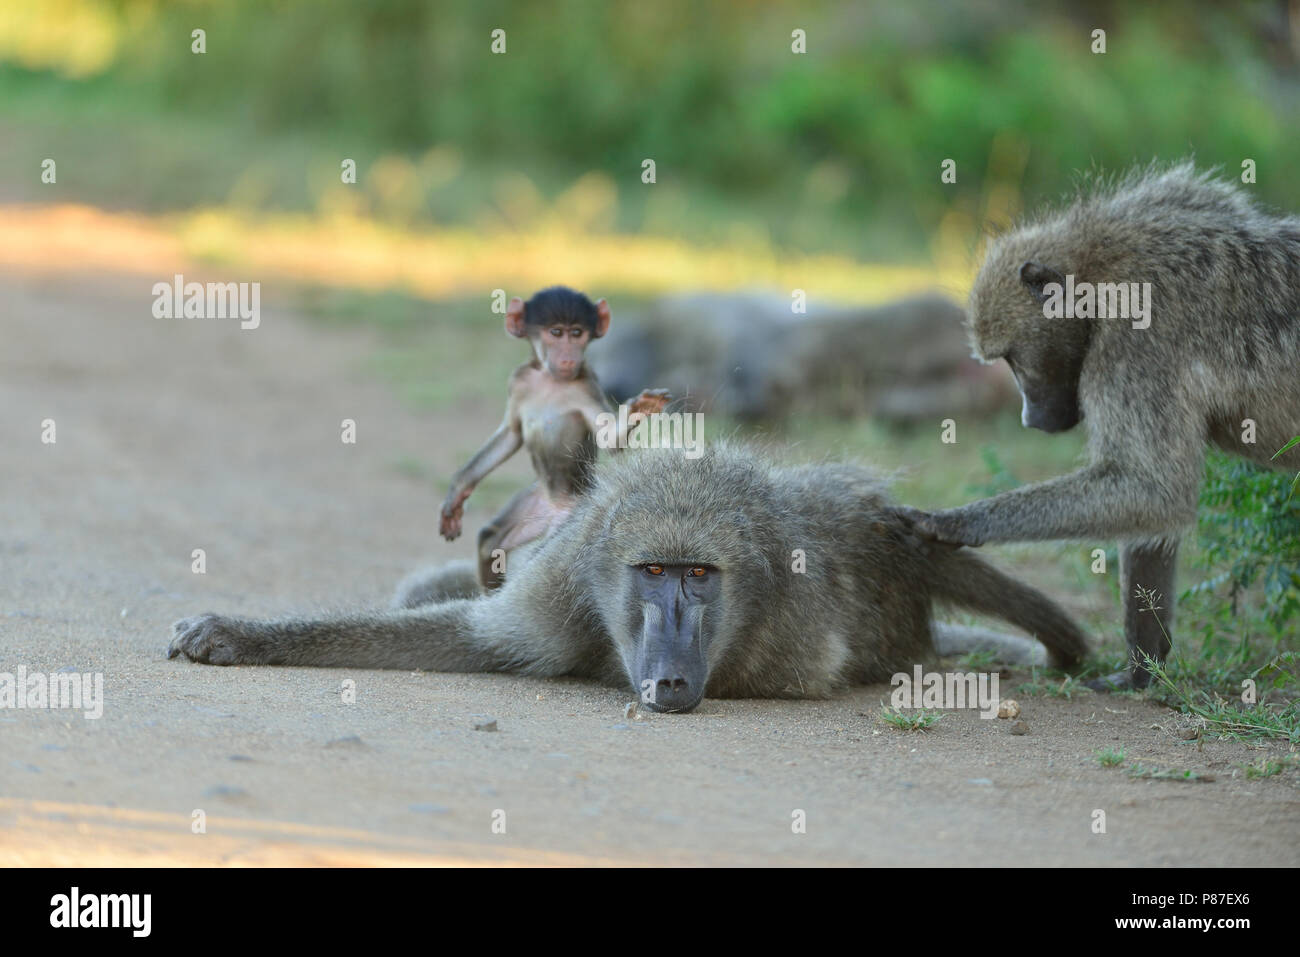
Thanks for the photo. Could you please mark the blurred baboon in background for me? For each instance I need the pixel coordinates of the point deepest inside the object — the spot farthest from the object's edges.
(750, 357)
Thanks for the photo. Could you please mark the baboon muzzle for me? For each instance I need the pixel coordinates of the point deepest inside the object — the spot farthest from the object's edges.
(1049, 410)
(672, 673)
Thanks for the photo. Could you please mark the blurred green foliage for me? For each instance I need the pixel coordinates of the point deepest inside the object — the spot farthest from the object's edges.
(1248, 529)
(853, 131)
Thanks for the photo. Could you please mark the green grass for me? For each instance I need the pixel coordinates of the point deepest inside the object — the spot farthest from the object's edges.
(1208, 694)
(978, 661)
(1151, 773)
(1268, 767)
(153, 159)
(1110, 757)
(1051, 683)
(922, 719)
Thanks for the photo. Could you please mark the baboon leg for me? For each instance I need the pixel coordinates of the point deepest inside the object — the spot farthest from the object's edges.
(1149, 566)
(526, 517)
(475, 635)
(428, 585)
(951, 639)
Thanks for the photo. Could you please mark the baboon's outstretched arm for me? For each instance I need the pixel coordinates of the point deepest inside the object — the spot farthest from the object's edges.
(1099, 501)
(473, 635)
(1143, 482)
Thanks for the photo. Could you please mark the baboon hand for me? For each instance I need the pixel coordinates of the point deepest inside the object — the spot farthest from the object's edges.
(452, 511)
(214, 640)
(650, 401)
(939, 527)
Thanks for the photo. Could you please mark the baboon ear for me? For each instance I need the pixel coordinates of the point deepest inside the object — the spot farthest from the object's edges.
(603, 315)
(1036, 276)
(515, 318)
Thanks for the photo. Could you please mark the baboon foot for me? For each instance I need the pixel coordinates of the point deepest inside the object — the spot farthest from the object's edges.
(1120, 681)
(214, 640)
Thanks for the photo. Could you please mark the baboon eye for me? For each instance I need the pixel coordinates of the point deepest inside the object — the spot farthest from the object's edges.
(654, 569)
(699, 571)
(557, 331)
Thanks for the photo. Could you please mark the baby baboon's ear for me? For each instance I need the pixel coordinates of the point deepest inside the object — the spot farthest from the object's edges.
(1035, 276)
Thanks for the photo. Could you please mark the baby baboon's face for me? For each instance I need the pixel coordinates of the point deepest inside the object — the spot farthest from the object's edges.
(671, 611)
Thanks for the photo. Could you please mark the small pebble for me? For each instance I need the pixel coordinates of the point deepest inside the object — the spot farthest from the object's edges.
(1019, 728)
(485, 724)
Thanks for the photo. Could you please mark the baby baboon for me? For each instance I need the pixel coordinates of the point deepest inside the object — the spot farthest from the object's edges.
(723, 575)
(1213, 354)
(551, 410)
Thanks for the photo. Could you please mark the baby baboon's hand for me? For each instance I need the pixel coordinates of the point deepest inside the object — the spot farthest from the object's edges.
(939, 527)
(453, 510)
(449, 526)
(650, 401)
(215, 640)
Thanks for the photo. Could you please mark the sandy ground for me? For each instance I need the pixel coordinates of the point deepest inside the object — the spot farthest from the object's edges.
(177, 435)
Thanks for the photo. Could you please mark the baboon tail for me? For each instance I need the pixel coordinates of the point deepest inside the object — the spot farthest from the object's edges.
(967, 581)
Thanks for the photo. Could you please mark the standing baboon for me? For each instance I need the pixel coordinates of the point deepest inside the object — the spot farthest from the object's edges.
(723, 575)
(1213, 354)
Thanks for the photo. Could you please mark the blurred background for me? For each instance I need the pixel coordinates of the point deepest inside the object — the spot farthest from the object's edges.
(765, 159)
(775, 171)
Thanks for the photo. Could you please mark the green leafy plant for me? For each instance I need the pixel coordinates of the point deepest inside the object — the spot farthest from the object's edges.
(1139, 770)
(922, 719)
(1111, 757)
(1248, 529)
(1286, 448)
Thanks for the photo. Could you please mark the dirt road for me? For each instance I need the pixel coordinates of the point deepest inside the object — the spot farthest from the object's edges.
(175, 435)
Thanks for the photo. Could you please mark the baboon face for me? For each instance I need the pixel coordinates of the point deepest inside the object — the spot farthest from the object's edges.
(682, 568)
(671, 616)
(1045, 355)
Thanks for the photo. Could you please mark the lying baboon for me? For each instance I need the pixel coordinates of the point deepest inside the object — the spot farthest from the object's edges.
(750, 357)
(724, 575)
(1209, 350)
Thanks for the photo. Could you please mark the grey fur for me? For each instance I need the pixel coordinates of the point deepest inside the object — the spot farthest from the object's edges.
(1223, 346)
(429, 585)
(750, 357)
(860, 613)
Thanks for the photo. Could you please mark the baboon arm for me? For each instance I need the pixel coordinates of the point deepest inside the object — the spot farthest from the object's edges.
(1147, 464)
(471, 635)
(505, 442)
(1098, 501)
